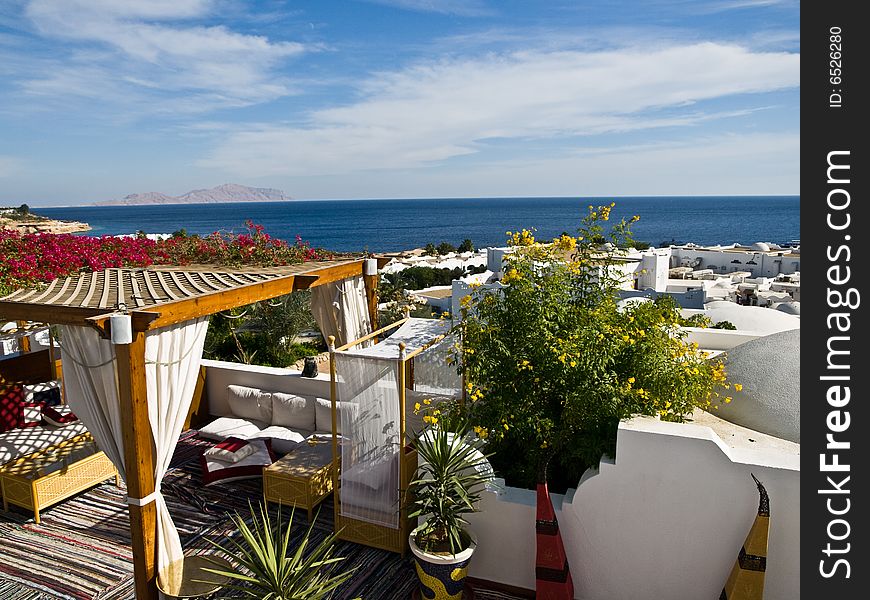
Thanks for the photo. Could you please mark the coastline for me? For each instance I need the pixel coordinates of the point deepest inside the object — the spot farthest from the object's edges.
(46, 226)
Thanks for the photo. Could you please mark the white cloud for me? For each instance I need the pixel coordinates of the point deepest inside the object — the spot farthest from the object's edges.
(435, 111)
(466, 8)
(156, 47)
(763, 163)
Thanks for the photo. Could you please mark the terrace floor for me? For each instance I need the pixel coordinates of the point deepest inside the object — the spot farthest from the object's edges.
(81, 549)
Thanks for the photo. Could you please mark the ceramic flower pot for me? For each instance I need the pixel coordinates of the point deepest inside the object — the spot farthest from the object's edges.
(442, 576)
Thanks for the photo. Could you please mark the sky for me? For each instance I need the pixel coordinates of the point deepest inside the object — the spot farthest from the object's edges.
(398, 98)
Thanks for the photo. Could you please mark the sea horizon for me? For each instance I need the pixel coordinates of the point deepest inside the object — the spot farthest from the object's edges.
(415, 198)
(395, 224)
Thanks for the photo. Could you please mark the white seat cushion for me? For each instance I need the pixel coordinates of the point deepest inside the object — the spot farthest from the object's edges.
(323, 410)
(224, 427)
(373, 475)
(284, 440)
(18, 442)
(295, 412)
(214, 471)
(250, 403)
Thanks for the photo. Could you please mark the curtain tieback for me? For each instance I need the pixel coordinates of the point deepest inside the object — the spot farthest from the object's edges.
(146, 500)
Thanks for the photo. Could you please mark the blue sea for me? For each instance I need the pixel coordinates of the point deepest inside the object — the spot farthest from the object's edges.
(393, 225)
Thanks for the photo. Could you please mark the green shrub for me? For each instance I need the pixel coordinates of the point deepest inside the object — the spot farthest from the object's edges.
(552, 364)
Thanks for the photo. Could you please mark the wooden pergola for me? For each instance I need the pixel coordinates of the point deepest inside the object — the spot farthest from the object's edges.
(155, 297)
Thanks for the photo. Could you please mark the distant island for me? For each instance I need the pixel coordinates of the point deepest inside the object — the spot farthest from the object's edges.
(228, 192)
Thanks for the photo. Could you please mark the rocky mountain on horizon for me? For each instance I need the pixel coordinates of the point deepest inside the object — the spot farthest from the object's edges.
(228, 192)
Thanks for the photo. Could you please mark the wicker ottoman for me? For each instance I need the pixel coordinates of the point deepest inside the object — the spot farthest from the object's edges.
(46, 477)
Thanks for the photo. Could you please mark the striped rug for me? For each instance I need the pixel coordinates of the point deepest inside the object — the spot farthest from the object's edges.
(81, 549)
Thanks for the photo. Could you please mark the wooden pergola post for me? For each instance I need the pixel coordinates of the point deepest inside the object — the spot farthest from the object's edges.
(24, 341)
(140, 463)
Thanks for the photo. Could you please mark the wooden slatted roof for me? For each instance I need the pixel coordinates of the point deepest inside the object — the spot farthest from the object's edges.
(168, 294)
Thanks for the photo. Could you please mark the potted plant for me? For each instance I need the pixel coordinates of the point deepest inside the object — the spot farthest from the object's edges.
(446, 487)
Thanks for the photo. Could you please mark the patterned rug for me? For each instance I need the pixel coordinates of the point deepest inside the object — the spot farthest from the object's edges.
(81, 549)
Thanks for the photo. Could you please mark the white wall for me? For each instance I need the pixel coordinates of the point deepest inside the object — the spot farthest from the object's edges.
(656, 263)
(717, 339)
(766, 264)
(665, 521)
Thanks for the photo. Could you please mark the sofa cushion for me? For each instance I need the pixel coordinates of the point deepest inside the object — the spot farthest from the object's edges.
(373, 475)
(224, 427)
(295, 412)
(323, 412)
(231, 450)
(214, 471)
(59, 416)
(31, 414)
(21, 441)
(11, 408)
(284, 440)
(250, 403)
(47, 391)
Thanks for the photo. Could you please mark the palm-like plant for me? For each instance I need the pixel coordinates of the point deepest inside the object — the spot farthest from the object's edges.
(267, 570)
(446, 487)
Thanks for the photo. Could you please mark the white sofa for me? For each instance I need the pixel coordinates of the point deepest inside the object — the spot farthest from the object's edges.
(21, 441)
(286, 419)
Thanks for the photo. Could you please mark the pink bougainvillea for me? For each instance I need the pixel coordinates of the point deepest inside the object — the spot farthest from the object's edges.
(31, 258)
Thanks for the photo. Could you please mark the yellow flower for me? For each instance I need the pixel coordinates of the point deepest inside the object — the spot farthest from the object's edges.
(427, 401)
(565, 242)
(738, 387)
(573, 363)
(480, 431)
(631, 379)
(417, 407)
(728, 399)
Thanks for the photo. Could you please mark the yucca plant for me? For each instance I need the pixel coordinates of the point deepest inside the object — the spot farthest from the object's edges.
(447, 485)
(267, 570)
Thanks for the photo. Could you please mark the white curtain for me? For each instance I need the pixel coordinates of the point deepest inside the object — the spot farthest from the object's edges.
(369, 393)
(341, 309)
(91, 381)
(432, 371)
(172, 361)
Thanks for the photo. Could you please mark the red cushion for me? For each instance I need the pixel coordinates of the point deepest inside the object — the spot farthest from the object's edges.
(247, 468)
(11, 408)
(230, 450)
(52, 416)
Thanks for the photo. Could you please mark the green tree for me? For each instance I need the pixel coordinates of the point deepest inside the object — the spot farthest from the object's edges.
(446, 248)
(24, 209)
(430, 249)
(279, 321)
(552, 364)
(466, 246)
